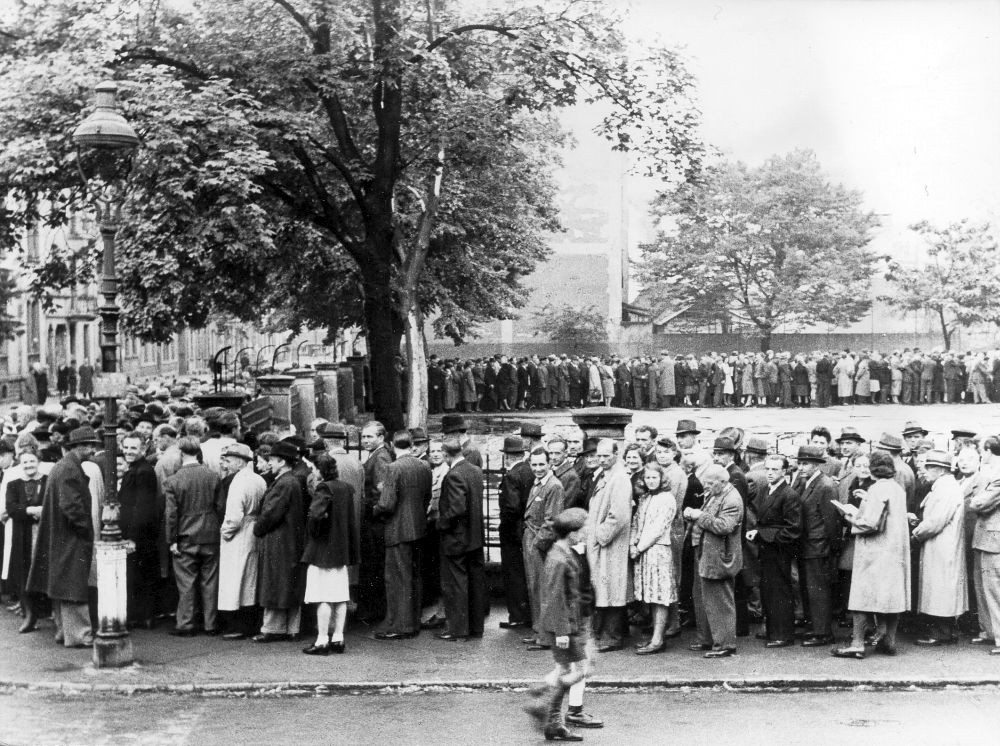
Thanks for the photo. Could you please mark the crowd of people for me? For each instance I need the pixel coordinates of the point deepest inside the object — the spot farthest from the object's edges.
(603, 543)
(764, 379)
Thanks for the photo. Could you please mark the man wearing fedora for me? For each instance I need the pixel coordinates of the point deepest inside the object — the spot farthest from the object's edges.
(544, 502)
(819, 544)
(687, 436)
(850, 441)
(943, 585)
(514, 488)
(724, 454)
(193, 519)
(454, 425)
(905, 476)
(402, 506)
(61, 563)
(912, 435)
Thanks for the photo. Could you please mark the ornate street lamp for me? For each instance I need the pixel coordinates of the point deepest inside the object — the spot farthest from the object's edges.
(105, 143)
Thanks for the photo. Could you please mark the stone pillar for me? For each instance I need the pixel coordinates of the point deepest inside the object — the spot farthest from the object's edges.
(278, 389)
(345, 392)
(603, 422)
(303, 400)
(327, 399)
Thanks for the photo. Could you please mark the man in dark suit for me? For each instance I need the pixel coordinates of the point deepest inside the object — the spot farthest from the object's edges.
(435, 386)
(514, 489)
(460, 523)
(454, 425)
(779, 524)
(193, 518)
(140, 521)
(371, 580)
(60, 566)
(724, 454)
(819, 543)
(402, 504)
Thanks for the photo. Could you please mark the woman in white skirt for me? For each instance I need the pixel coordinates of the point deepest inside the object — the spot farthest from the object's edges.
(650, 538)
(330, 548)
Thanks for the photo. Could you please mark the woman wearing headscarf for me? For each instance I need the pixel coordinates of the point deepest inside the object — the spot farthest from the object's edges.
(880, 581)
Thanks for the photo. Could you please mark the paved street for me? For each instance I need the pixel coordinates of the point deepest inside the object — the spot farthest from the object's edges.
(934, 718)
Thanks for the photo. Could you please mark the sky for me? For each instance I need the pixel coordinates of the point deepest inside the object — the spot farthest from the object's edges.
(898, 99)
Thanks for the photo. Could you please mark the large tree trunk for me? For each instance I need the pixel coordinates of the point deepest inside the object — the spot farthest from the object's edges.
(416, 356)
(945, 331)
(765, 339)
(385, 332)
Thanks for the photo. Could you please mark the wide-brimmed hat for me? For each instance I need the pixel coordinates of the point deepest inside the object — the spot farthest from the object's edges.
(757, 445)
(913, 428)
(850, 433)
(938, 458)
(724, 444)
(285, 450)
(890, 442)
(816, 454)
(333, 430)
(239, 450)
(417, 434)
(453, 423)
(736, 434)
(956, 434)
(589, 446)
(687, 426)
(531, 430)
(513, 444)
(83, 435)
(297, 442)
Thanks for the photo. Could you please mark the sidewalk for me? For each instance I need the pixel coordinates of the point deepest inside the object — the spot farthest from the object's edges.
(499, 660)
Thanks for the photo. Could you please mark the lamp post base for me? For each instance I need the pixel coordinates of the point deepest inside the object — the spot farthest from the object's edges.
(112, 644)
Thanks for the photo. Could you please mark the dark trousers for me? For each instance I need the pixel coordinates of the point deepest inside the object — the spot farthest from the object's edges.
(609, 625)
(515, 584)
(371, 580)
(776, 590)
(143, 582)
(430, 566)
(403, 587)
(814, 577)
(463, 586)
(196, 569)
(685, 593)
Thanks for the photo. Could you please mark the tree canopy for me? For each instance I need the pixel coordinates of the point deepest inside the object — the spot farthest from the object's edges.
(341, 162)
(777, 245)
(575, 329)
(959, 283)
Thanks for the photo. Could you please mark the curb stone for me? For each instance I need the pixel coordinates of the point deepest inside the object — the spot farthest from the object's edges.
(334, 688)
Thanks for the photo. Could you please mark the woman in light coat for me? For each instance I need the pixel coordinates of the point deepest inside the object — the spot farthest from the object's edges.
(239, 547)
(650, 550)
(880, 579)
(944, 594)
(843, 371)
(862, 381)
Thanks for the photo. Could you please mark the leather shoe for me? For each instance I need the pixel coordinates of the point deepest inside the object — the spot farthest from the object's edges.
(561, 733)
(317, 650)
(819, 641)
(934, 642)
(29, 624)
(270, 637)
(449, 637)
(395, 635)
(699, 647)
(538, 646)
(529, 640)
(435, 622)
(609, 648)
(885, 648)
(848, 653)
(583, 720)
(981, 641)
(720, 653)
(513, 625)
(670, 634)
(183, 632)
(650, 649)
(780, 643)
(337, 648)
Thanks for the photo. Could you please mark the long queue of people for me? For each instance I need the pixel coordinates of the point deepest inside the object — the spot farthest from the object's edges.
(765, 379)
(603, 543)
